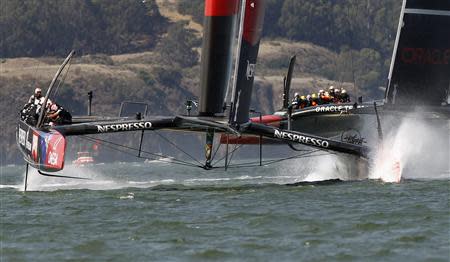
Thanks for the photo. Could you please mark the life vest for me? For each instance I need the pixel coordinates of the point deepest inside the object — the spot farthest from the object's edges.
(314, 100)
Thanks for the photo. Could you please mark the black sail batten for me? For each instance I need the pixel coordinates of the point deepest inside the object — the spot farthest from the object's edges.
(420, 69)
(253, 25)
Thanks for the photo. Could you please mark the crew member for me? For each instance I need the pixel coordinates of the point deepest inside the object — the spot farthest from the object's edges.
(326, 99)
(58, 115)
(30, 111)
(37, 98)
(314, 99)
(337, 95)
(296, 101)
(331, 93)
(319, 96)
(345, 98)
(303, 102)
(308, 100)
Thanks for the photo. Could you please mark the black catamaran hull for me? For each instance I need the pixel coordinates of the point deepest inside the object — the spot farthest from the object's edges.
(42, 149)
(323, 127)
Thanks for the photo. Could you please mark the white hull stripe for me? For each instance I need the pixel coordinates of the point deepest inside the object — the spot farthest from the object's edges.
(427, 12)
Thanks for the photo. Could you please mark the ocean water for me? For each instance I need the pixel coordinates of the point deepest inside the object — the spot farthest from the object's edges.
(161, 212)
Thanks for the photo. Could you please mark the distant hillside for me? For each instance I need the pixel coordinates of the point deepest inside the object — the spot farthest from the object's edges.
(50, 28)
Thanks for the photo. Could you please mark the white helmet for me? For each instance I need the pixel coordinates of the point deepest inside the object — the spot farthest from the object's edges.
(331, 88)
(37, 90)
(296, 94)
(343, 91)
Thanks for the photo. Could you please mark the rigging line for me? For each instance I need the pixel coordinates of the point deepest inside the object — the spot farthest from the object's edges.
(109, 144)
(177, 161)
(217, 149)
(231, 153)
(178, 148)
(55, 95)
(105, 142)
(243, 164)
(215, 152)
(269, 162)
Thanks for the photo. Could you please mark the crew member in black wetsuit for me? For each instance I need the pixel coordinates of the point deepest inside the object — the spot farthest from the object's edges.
(296, 101)
(344, 98)
(58, 115)
(337, 95)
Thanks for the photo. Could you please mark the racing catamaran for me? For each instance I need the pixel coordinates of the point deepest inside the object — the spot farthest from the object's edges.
(43, 145)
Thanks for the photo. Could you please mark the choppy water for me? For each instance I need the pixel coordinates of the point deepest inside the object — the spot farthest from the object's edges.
(156, 212)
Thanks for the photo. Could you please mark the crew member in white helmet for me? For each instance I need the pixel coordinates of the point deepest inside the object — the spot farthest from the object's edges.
(37, 98)
(331, 92)
(31, 110)
(296, 101)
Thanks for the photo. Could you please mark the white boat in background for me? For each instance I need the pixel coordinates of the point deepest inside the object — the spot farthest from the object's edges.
(83, 158)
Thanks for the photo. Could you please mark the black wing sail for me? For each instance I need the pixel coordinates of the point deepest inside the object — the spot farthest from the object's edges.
(249, 48)
(219, 30)
(420, 69)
